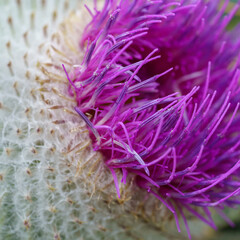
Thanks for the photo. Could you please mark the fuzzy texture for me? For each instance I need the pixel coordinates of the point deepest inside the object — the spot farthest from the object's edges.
(159, 90)
(53, 185)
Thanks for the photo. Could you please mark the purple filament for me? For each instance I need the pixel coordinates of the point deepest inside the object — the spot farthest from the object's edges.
(161, 82)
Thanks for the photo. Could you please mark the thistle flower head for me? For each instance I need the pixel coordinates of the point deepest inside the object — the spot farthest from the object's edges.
(157, 84)
(159, 89)
(52, 184)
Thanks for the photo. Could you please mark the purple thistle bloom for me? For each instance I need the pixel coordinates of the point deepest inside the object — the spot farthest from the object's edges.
(159, 90)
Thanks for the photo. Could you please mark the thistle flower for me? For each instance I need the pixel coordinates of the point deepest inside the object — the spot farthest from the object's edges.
(152, 119)
(159, 90)
(52, 184)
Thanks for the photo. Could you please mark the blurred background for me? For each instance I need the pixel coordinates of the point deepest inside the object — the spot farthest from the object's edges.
(225, 231)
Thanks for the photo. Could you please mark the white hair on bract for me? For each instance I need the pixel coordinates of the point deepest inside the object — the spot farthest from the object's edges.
(53, 185)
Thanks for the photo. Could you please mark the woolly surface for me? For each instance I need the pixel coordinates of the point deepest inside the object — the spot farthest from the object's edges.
(53, 185)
